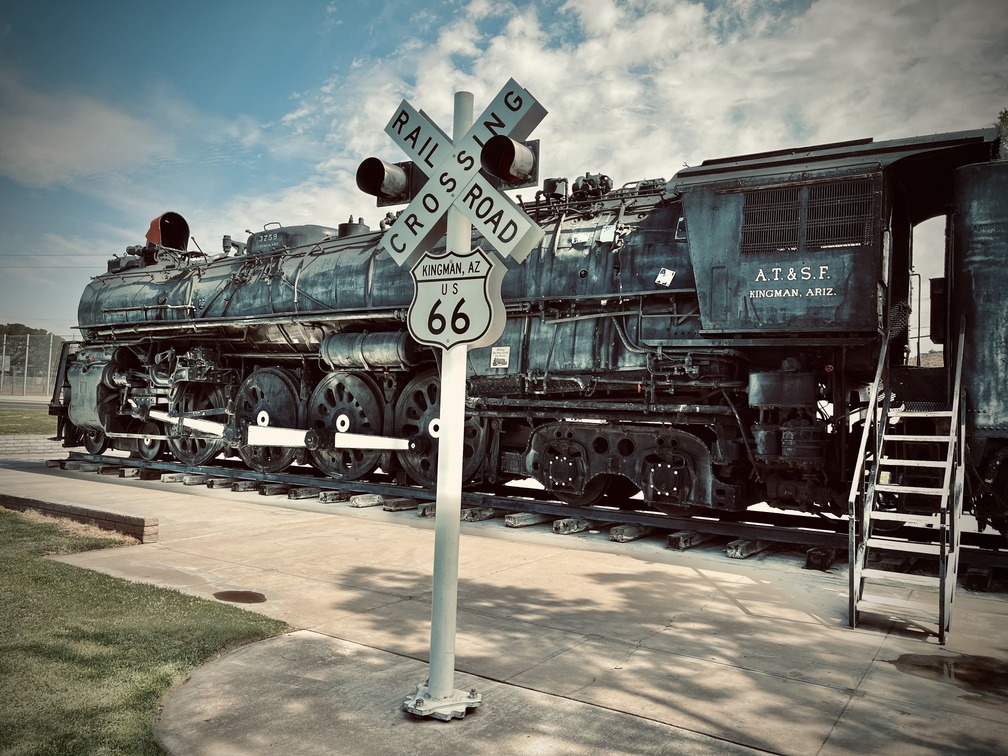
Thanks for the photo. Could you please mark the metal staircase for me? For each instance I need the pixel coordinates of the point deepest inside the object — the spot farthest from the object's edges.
(905, 504)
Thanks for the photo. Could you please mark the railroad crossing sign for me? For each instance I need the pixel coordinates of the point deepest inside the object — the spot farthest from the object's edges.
(456, 298)
(456, 302)
(455, 180)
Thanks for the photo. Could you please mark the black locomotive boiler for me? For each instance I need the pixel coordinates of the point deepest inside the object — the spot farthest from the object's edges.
(708, 341)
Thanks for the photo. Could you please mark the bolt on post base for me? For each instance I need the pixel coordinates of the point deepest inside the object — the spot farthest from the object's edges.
(454, 706)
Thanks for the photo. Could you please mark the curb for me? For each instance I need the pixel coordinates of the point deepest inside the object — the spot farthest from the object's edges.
(144, 529)
(18, 446)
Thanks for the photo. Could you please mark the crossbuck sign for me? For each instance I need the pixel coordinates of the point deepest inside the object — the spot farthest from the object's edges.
(453, 171)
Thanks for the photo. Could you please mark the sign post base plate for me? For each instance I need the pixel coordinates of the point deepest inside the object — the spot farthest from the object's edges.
(455, 706)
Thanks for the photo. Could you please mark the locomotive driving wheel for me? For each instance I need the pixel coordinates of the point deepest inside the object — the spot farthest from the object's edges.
(417, 417)
(346, 403)
(269, 398)
(193, 448)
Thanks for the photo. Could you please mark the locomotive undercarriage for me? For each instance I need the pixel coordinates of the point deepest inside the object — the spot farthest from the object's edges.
(680, 433)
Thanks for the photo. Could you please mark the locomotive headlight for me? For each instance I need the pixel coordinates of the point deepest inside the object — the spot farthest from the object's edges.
(389, 182)
(515, 163)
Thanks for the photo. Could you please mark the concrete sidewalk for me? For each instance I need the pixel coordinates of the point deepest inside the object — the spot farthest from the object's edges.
(578, 645)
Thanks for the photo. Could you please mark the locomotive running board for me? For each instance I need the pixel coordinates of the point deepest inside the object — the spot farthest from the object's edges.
(265, 435)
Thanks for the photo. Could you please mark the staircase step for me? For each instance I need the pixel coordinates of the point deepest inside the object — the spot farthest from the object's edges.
(916, 438)
(912, 547)
(910, 518)
(897, 488)
(920, 413)
(892, 462)
(899, 607)
(902, 578)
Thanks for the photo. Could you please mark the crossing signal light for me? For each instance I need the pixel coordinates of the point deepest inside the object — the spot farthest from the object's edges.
(506, 164)
(516, 164)
(391, 183)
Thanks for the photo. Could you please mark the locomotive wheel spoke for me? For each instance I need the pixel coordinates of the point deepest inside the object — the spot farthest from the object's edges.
(417, 416)
(268, 397)
(192, 448)
(346, 403)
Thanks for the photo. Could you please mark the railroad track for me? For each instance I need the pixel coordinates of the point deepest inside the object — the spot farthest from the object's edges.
(752, 529)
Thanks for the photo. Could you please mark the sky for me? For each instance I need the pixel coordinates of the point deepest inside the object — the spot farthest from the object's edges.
(237, 114)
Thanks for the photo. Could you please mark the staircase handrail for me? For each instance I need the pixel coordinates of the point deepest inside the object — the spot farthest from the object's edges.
(957, 391)
(871, 419)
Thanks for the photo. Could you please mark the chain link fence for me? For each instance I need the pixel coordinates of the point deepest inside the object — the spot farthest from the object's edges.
(29, 363)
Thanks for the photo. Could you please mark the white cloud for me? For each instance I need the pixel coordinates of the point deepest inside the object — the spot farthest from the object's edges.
(634, 88)
(56, 138)
(637, 88)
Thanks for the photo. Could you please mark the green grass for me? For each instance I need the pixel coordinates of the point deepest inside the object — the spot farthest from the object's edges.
(85, 658)
(27, 421)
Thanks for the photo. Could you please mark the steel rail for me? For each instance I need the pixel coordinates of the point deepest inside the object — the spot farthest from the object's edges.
(979, 549)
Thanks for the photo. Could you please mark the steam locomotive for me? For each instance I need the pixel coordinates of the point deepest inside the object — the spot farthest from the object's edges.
(703, 343)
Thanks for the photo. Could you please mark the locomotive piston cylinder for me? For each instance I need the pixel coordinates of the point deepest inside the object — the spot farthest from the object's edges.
(94, 376)
(363, 351)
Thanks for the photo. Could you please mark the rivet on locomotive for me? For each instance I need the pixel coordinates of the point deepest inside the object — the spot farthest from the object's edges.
(708, 342)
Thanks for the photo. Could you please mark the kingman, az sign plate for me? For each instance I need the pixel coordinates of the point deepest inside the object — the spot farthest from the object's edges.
(455, 299)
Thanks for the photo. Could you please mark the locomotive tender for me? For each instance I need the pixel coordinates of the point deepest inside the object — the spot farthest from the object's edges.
(708, 341)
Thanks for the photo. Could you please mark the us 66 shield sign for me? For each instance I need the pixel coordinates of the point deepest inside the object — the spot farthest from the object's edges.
(457, 299)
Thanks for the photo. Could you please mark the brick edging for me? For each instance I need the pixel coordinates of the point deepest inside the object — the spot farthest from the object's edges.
(144, 529)
(24, 445)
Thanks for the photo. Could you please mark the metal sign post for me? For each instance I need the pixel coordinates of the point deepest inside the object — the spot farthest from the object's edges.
(456, 303)
(438, 698)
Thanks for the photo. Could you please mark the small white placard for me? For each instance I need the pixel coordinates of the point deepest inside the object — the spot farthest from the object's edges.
(665, 277)
(500, 357)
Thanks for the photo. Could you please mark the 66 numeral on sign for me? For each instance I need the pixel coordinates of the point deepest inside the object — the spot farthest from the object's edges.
(436, 322)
